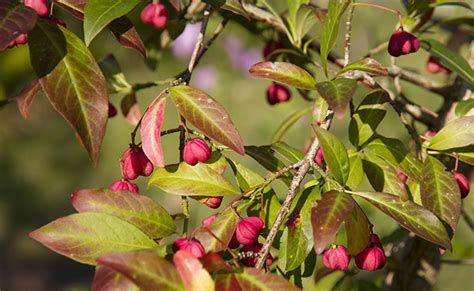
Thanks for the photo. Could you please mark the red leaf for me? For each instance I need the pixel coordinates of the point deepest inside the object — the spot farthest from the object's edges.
(212, 262)
(127, 35)
(27, 96)
(15, 19)
(107, 279)
(194, 276)
(150, 131)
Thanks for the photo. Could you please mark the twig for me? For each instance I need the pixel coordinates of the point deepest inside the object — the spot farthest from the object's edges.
(347, 37)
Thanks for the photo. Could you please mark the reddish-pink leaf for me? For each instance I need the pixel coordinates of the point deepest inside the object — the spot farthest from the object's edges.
(213, 262)
(206, 114)
(130, 109)
(15, 19)
(327, 216)
(227, 282)
(145, 268)
(27, 96)
(194, 276)
(222, 227)
(285, 73)
(107, 279)
(254, 279)
(150, 130)
(127, 35)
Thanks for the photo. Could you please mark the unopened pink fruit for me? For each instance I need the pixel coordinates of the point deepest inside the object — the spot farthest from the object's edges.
(192, 246)
(277, 93)
(196, 150)
(40, 6)
(336, 258)
(135, 163)
(124, 185)
(248, 230)
(402, 43)
(213, 202)
(463, 183)
(155, 14)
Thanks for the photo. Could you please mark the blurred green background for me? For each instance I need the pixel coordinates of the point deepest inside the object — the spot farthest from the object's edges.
(41, 162)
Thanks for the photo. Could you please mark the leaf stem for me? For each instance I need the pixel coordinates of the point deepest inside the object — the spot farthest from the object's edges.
(394, 11)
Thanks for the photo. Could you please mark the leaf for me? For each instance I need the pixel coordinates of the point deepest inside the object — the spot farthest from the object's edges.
(288, 123)
(356, 172)
(27, 96)
(411, 216)
(320, 110)
(451, 3)
(127, 35)
(223, 227)
(107, 279)
(86, 236)
(207, 115)
(116, 81)
(236, 7)
(335, 154)
(194, 276)
(217, 162)
(145, 268)
(213, 262)
(383, 177)
(440, 192)
(15, 19)
(226, 282)
(255, 279)
(198, 180)
(449, 59)
(368, 116)
(72, 81)
(264, 155)
(74, 7)
(150, 131)
(394, 152)
(330, 29)
(130, 109)
(368, 65)
(99, 13)
(337, 93)
(134, 208)
(457, 133)
(327, 216)
(357, 230)
(464, 107)
(288, 153)
(284, 73)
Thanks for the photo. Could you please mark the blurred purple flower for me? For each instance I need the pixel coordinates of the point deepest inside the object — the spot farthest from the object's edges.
(204, 77)
(183, 46)
(241, 58)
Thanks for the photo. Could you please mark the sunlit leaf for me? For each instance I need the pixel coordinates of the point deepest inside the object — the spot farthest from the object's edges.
(222, 227)
(107, 279)
(198, 180)
(356, 172)
(457, 133)
(191, 271)
(116, 80)
(72, 81)
(86, 236)
(337, 93)
(284, 73)
(137, 209)
(327, 216)
(411, 216)
(206, 114)
(150, 131)
(15, 19)
(464, 107)
(368, 65)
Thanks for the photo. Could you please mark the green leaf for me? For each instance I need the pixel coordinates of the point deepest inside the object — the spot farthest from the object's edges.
(284, 73)
(383, 177)
(217, 162)
(327, 216)
(74, 7)
(137, 209)
(368, 116)
(150, 131)
(72, 81)
(357, 230)
(198, 180)
(222, 227)
(207, 115)
(335, 154)
(236, 7)
(288, 123)
(320, 110)
(86, 236)
(449, 59)
(15, 19)
(330, 28)
(265, 156)
(99, 13)
(463, 107)
(337, 93)
(288, 153)
(457, 133)
(356, 172)
(440, 192)
(116, 81)
(107, 279)
(411, 216)
(394, 152)
(368, 65)
(451, 3)
(145, 268)
(194, 276)
(258, 280)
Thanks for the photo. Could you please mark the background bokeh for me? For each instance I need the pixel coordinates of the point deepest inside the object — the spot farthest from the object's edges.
(41, 163)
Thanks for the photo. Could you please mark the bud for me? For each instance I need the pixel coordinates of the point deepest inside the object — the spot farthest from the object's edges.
(319, 158)
(40, 6)
(196, 150)
(248, 230)
(208, 220)
(463, 184)
(402, 43)
(270, 47)
(135, 163)
(336, 258)
(21, 39)
(234, 243)
(155, 14)
(213, 202)
(372, 257)
(434, 66)
(401, 175)
(192, 246)
(112, 110)
(123, 185)
(277, 93)
(249, 255)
